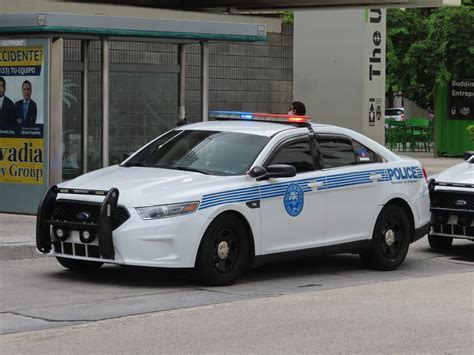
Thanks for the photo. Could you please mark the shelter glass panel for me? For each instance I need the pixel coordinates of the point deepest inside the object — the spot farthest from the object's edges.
(143, 105)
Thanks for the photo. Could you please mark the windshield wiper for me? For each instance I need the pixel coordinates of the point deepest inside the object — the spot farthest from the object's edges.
(190, 169)
(127, 165)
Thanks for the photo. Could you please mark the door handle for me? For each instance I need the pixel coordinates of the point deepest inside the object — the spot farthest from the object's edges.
(376, 177)
(315, 185)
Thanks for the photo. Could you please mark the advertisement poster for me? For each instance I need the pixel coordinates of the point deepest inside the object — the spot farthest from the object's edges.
(22, 112)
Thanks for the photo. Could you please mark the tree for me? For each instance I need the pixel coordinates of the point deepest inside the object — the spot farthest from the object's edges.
(426, 46)
(403, 29)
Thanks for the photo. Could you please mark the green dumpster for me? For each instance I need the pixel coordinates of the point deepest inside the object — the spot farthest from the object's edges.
(452, 135)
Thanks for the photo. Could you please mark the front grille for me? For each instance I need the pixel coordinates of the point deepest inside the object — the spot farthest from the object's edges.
(68, 210)
(452, 229)
(447, 199)
(75, 249)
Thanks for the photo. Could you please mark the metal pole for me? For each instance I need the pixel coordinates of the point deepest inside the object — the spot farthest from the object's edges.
(85, 106)
(182, 81)
(204, 80)
(55, 124)
(105, 102)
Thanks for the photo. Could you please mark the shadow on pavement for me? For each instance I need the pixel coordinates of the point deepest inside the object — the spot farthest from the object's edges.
(318, 267)
(145, 277)
(463, 252)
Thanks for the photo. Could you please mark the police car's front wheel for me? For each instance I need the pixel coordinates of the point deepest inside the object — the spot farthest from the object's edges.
(390, 239)
(222, 255)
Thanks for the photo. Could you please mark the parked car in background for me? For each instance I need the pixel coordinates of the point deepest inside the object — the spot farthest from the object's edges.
(397, 113)
(452, 204)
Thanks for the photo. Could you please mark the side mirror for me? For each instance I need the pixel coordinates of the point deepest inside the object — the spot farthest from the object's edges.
(257, 172)
(468, 155)
(272, 171)
(280, 170)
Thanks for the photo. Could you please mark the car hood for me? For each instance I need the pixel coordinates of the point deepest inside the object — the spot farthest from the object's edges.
(139, 186)
(462, 173)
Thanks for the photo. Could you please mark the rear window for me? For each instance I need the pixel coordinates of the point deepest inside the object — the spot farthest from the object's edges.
(336, 151)
(339, 151)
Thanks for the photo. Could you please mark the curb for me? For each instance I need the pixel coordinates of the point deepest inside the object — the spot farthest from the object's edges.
(17, 251)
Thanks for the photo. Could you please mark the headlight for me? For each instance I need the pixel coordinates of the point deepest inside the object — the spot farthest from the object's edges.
(163, 211)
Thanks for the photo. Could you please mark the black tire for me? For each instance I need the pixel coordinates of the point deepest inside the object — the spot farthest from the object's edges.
(440, 243)
(223, 253)
(79, 265)
(390, 240)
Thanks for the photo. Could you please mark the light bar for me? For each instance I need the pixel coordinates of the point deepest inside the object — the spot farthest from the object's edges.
(251, 116)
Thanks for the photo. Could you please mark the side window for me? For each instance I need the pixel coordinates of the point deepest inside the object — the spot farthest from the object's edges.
(297, 153)
(336, 151)
(364, 155)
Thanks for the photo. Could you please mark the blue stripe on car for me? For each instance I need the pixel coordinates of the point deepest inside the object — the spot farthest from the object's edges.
(278, 189)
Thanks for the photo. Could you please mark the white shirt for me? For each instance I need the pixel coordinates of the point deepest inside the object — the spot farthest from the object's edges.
(1, 101)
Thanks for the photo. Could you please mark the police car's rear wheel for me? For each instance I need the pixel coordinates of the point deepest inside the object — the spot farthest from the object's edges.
(222, 255)
(390, 240)
(440, 243)
(79, 265)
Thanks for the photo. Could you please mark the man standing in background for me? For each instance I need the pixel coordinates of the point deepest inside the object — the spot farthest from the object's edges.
(7, 109)
(297, 108)
(26, 109)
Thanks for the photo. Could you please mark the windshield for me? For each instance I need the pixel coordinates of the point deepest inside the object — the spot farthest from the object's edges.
(208, 152)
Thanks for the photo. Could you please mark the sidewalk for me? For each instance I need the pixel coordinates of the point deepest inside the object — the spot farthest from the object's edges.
(17, 237)
(17, 232)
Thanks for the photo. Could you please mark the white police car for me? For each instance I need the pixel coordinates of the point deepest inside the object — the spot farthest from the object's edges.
(452, 204)
(223, 195)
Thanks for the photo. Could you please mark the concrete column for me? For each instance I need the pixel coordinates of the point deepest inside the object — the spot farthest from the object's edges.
(56, 112)
(339, 67)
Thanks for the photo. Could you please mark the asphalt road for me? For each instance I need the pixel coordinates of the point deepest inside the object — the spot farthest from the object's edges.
(331, 304)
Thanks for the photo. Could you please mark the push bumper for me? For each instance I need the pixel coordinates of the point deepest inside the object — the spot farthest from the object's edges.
(103, 228)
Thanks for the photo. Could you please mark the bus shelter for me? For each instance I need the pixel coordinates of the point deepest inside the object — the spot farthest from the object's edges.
(32, 55)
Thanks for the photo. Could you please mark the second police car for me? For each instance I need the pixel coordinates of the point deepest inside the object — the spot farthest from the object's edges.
(232, 193)
(452, 204)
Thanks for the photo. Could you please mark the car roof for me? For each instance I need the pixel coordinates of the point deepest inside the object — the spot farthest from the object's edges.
(259, 128)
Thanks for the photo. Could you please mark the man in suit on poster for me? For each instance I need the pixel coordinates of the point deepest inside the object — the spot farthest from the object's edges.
(26, 109)
(7, 109)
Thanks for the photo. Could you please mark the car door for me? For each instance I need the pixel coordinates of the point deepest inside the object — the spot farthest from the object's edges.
(293, 209)
(356, 180)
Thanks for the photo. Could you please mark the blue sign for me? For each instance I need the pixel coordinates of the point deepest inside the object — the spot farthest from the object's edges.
(293, 200)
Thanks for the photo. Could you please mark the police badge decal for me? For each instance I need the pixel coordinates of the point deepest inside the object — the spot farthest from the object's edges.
(293, 200)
